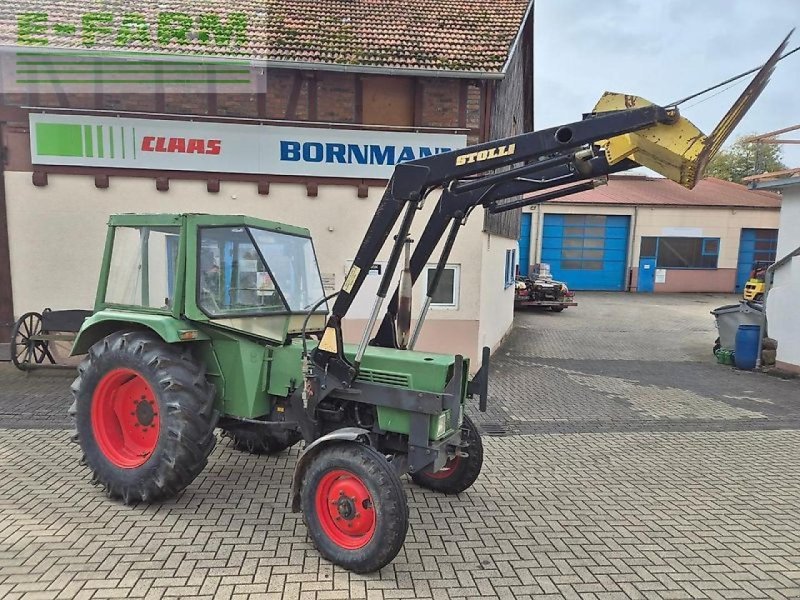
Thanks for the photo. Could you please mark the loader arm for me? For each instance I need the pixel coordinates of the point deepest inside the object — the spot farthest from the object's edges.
(623, 132)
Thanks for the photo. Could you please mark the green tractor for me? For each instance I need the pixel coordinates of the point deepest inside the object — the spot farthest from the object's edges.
(202, 322)
(206, 322)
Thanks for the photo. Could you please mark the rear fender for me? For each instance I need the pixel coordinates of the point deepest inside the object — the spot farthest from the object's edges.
(106, 322)
(345, 434)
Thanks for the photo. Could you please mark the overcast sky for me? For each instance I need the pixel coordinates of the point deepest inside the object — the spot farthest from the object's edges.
(663, 51)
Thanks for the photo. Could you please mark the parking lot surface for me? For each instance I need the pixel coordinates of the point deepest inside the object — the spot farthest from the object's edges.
(621, 462)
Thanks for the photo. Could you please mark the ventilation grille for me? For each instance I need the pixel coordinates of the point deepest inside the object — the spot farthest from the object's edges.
(384, 377)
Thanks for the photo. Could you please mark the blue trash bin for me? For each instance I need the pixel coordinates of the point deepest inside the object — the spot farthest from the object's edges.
(746, 353)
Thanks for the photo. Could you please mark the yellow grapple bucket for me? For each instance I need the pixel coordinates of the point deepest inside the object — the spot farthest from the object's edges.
(679, 151)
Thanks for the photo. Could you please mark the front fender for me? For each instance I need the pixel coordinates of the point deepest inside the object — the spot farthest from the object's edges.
(106, 322)
(345, 434)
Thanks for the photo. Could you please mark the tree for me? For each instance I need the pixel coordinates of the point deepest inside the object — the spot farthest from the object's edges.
(743, 159)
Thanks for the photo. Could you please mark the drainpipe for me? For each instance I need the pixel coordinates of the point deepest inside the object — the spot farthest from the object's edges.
(631, 247)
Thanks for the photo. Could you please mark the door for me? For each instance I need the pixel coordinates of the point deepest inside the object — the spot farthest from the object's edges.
(588, 252)
(525, 243)
(754, 245)
(647, 275)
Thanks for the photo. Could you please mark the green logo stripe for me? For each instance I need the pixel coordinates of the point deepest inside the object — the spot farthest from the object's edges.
(111, 141)
(165, 81)
(152, 71)
(100, 144)
(117, 55)
(88, 146)
(58, 139)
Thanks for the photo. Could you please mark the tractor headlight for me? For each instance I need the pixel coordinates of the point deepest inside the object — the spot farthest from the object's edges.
(441, 423)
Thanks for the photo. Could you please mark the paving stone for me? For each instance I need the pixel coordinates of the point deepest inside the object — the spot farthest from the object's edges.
(630, 466)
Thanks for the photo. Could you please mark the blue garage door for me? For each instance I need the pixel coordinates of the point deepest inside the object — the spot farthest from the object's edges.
(754, 244)
(525, 244)
(588, 252)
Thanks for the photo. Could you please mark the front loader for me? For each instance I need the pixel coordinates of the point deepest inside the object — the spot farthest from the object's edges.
(206, 322)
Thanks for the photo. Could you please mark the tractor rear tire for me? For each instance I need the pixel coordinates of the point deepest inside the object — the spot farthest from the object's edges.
(459, 473)
(256, 440)
(354, 507)
(144, 416)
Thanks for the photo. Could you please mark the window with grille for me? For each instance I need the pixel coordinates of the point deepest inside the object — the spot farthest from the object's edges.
(680, 252)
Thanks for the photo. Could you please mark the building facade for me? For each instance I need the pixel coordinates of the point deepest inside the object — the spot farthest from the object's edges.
(645, 234)
(312, 143)
(783, 323)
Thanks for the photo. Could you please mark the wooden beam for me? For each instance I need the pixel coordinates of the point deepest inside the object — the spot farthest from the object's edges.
(311, 82)
(778, 142)
(761, 136)
(294, 96)
(261, 94)
(358, 109)
(463, 95)
(6, 295)
(419, 101)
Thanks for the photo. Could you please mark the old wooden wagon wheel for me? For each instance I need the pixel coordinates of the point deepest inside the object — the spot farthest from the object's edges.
(26, 348)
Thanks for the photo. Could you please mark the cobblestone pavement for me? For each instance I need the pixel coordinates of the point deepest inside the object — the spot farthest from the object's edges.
(629, 363)
(638, 515)
(622, 462)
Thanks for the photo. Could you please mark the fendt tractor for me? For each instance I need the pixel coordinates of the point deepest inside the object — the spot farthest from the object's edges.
(205, 322)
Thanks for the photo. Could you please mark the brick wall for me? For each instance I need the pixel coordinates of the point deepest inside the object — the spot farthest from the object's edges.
(336, 97)
(440, 102)
(290, 96)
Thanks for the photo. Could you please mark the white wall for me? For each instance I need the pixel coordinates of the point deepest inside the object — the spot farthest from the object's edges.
(789, 234)
(497, 305)
(57, 235)
(783, 321)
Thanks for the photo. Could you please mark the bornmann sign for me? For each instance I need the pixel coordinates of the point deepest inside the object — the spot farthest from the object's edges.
(90, 141)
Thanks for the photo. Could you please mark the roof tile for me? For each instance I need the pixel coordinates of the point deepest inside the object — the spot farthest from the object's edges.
(450, 35)
(652, 191)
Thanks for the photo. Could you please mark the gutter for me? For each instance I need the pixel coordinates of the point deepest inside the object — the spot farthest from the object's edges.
(256, 63)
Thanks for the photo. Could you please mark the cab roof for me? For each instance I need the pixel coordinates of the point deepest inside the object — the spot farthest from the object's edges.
(201, 220)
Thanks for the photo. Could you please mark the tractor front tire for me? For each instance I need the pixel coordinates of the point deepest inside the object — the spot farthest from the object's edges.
(251, 438)
(144, 416)
(354, 506)
(557, 309)
(459, 473)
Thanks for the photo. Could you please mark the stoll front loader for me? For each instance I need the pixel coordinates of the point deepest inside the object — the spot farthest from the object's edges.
(206, 321)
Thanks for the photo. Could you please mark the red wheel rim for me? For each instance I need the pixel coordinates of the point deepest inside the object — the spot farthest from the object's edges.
(125, 418)
(448, 469)
(345, 509)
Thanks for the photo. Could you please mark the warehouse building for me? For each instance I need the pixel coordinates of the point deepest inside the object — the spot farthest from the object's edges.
(647, 234)
(326, 106)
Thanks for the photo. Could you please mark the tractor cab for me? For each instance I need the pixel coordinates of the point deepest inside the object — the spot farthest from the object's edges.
(226, 271)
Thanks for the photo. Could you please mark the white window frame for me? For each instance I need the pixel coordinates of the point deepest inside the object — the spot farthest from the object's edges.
(456, 286)
(510, 269)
